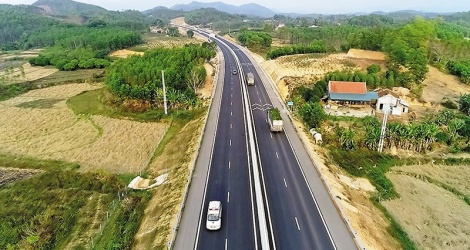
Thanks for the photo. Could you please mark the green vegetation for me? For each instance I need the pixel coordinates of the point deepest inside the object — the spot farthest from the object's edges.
(61, 77)
(460, 68)
(255, 39)
(274, 114)
(80, 47)
(464, 104)
(31, 163)
(53, 207)
(209, 15)
(314, 47)
(140, 77)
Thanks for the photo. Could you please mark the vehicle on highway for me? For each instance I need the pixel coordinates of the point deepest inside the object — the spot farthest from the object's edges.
(275, 120)
(214, 215)
(234, 72)
(250, 78)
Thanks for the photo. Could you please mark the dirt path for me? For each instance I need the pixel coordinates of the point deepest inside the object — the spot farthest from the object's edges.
(89, 224)
(9, 175)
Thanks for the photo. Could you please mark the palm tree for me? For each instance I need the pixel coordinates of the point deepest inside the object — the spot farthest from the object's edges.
(346, 139)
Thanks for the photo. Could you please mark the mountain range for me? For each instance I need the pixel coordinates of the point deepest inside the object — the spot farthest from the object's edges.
(251, 9)
(73, 8)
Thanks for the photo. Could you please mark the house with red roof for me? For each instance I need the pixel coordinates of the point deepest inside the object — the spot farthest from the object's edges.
(350, 93)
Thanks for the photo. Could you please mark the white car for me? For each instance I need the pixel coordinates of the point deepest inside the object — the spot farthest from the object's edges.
(214, 215)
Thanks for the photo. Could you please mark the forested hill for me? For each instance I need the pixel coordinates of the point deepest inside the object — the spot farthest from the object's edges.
(68, 7)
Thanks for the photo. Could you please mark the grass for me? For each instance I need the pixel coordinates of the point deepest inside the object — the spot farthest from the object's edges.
(41, 104)
(60, 77)
(395, 230)
(41, 211)
(370, 164)
(58, 206)
(32, 163)
(173, 156)
(97, 102)
(374, 166)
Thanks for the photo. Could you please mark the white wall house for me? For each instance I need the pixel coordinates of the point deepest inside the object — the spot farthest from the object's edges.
(388, 100)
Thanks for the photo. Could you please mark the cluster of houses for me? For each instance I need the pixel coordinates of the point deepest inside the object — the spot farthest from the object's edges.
(356, 93)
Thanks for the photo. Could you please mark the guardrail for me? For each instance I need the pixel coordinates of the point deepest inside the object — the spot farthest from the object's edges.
(254, 159)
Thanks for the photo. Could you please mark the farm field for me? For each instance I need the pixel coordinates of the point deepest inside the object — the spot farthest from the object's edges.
(39, 124)
(430, 214)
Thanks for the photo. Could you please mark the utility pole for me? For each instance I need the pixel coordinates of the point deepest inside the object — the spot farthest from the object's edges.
(383, 129)
(164, 92)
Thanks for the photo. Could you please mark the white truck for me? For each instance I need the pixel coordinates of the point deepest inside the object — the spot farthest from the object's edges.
(250, 78)
(275, 120)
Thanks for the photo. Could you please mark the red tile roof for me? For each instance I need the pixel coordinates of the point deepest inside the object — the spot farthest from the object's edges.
(347, 87)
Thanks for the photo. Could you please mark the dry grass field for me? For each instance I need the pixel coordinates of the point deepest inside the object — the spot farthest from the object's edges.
(39, 124)
(434, 217)
(26, 72)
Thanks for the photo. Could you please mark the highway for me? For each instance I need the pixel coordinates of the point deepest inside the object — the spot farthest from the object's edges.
(229, 175)
(298, 206)
(295, 218)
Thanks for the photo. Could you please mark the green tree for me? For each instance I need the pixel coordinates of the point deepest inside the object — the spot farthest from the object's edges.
(312, 114)
(190, 33)
(464, 104)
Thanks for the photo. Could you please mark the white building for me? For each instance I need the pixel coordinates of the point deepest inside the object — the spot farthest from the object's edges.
(388, 100)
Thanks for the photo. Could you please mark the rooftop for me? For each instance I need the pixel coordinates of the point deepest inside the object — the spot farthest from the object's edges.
(347, 87)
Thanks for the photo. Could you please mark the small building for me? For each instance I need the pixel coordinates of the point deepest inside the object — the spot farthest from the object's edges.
(350, 93)
(391, 102)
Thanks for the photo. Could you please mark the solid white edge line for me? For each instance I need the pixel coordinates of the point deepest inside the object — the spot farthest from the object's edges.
(297, 222)
(228, 165)
(226, 243)
(259, 201)
(298, 163)
(277, 155)
(210, 161)
(285, 183)
(230, 142)
(228, 197)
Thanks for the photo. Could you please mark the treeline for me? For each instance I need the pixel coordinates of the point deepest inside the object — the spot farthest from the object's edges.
(139, 77)
(209, 15)
(255, 39)
(410, 47)
(315, 47)
(25, 26)
(85, 47)
(17, 21)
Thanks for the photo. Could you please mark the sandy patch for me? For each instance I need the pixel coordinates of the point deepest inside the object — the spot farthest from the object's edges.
(57, 133)
(29, 73)
(433, 217)
(206, 91)
(440, 86)
(290, 71)
(124, 53)
(455, 176)
(366, 54)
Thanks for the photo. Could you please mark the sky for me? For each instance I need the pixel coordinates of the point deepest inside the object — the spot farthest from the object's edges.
(298, 6)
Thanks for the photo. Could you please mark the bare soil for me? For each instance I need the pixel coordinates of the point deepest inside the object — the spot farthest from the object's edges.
(433, 217)
(9, 175)
(124, 53)
(55, 132)
(29, 73)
